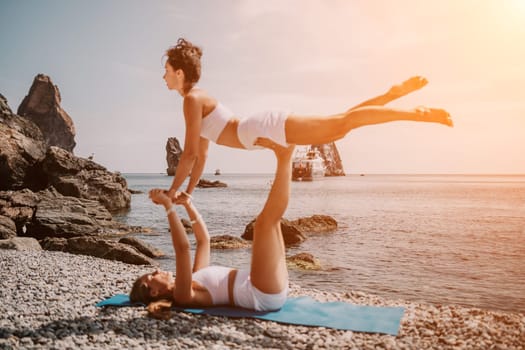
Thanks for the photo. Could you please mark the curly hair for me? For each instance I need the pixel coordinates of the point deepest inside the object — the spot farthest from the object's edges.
(187, 57)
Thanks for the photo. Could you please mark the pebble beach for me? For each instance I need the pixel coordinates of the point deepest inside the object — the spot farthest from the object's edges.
(48, 302)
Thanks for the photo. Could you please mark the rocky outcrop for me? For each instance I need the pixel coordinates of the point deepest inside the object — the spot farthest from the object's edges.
(22, 147)
(303, 261)
(294, 231)
(27, 161)
(203, 183)
(42, 107)
(228, 242)
(291, 234)
(98, 247)
(50, 214)
(173, 153)
(332, 160)
(83, 178)
(143, 247)
(315, 224)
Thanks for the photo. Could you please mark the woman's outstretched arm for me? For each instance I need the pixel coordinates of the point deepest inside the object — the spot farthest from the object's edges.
(193, 119)
(202, 253)
(198, 165)
(395, 92)
(182, 293)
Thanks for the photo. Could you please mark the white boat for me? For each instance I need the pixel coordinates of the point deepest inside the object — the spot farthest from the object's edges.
(307, 165)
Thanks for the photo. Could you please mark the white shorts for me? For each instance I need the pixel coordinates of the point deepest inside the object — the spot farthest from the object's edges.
(266, 124)
(247, 296)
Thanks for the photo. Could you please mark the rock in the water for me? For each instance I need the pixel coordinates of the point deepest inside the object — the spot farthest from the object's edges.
(291, 234)
(22, 147)
(83, 178)
(203, 183)
(42, 106)
(143, 247)
(20, 243)
(304, 261)
(173, 153)
(98, 247)
(7, 227)
(332, 160)
(228, 242)
(316, 224)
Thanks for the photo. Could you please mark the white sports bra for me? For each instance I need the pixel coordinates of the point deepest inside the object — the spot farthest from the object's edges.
(215, 122)
(215, 280)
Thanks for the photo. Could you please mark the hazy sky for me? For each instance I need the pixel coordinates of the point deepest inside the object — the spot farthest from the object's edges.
(311, 57)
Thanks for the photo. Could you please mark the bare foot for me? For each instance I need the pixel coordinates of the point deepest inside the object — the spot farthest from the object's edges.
(435, 115)
(408, 86)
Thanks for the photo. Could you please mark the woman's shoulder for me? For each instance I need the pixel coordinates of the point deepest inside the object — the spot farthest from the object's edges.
(200, 97)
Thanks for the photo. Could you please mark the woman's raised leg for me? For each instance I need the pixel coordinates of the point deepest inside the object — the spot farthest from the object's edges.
(302, 130)
(268, 272)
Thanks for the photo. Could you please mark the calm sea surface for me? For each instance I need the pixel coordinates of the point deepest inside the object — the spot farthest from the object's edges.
(435, 238)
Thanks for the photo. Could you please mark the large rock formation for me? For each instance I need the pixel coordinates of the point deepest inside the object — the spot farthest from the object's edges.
(332, 160)
(27, 161)
(173, 152)
(42, 106)
(83, 178)
(22, 147)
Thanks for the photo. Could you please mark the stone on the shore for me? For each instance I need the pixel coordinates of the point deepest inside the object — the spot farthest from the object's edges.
(173, 153)
(42, 107)
(228, 242)
(143, 247)
(20, 243)
(303, 261)
(203, 183)
(83, 178)
(316, 224)
(65, 216)
(50, 214)
(291, 234)
(22, 147)
(7, 228)
(98, 247)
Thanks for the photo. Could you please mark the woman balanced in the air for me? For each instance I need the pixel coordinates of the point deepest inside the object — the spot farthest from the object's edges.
(207, 119)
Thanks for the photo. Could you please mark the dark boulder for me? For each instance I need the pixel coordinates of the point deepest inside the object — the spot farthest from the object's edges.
(228, 242)
(143, 247)
(22, 147)
(315, 224)
(291, 234)
(83, 178)
(173, 153)
(98, 247)
(42, 107)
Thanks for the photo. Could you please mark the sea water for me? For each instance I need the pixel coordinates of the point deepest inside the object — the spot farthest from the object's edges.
(433, 238)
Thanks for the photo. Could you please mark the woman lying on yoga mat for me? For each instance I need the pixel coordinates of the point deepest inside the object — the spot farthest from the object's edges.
(264, 287)
(207, 119)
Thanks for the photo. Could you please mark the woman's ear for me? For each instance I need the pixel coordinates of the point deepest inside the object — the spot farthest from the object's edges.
(153, 292)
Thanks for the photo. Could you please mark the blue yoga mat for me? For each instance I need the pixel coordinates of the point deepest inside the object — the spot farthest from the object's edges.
(307, 312)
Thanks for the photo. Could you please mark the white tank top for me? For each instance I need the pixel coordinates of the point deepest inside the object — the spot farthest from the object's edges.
(215, 280)
(214, 123)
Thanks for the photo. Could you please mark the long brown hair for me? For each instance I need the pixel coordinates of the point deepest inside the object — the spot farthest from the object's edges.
(159, 308)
